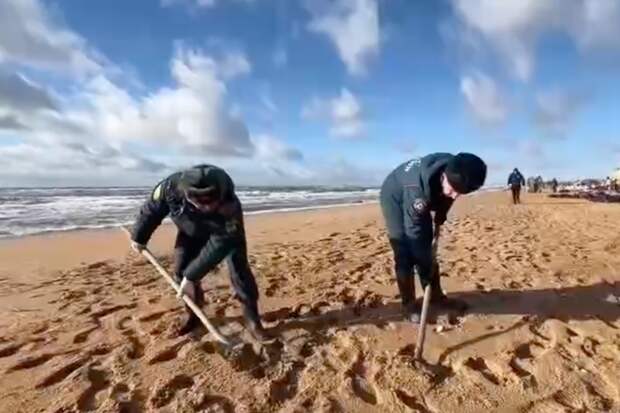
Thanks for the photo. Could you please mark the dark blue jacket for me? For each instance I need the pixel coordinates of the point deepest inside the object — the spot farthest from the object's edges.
(516, 179)
(410, 193)
(223, 229)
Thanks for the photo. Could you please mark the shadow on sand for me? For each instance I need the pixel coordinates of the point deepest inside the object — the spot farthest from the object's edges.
(599, 301)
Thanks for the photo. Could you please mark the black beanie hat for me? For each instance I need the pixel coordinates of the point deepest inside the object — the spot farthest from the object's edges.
(466, 172)
(200, 181)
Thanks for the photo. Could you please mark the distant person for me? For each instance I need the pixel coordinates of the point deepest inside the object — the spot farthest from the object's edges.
(538, 184)
(554, 185)
(408, 196)
(515, 181)
(202, 203)
(608, 184)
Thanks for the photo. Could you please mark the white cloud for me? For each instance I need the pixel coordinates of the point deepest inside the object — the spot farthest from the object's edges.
(353, 28)
(270, 148)
(344, 112)
(484, 99)
(10, 122)
(191, 116)
(21, 94)
(96, 125)
(233, 64)
(513, 27)
(556, 110)
(28, 36)
(190, 119)
(40, 163)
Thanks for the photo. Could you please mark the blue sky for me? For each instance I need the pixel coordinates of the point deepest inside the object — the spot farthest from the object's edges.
(305, 92)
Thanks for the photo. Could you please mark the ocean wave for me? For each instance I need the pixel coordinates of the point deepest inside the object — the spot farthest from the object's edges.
(27, 211)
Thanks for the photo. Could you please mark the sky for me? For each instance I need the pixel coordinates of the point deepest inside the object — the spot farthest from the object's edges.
(305, 92)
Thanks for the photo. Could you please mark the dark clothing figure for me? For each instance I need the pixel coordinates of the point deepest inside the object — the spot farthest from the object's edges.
(538, 184)
(554, 185)
(515, 181)
(409, 195)
(204, 239)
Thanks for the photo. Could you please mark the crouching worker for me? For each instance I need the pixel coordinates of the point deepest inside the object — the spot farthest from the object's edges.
(201, 202)
(408, 196)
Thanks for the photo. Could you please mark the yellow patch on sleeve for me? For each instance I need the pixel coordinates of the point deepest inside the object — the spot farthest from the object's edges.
(157, 193)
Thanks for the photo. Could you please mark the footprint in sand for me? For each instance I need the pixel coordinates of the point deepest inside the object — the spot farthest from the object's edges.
(479, 365)
(410, 401)
(216, 403)
(62, 372)
(97, 315)
(152, 316)
(165, 393)
(82, 336)
(31, 362)
(285, 388)
(98, 382)
(360, 385)
(10, 349)
(134, 347)
(169, 353)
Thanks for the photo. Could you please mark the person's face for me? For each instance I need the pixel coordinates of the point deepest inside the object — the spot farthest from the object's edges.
(447, 189)
(204, 204)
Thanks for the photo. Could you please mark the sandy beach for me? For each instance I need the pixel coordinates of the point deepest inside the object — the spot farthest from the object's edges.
(87, 326)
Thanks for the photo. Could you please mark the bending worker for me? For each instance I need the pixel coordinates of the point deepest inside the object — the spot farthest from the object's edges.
(201, 201)
(409, 195)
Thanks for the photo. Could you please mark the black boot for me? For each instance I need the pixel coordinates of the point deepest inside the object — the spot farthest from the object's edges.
(406, 287)
(438, 297)
(253, 323)
(192, 321)
(190, 324)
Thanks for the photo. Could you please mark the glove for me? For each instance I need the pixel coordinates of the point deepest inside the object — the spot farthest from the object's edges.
(137, 247)
(187, 288)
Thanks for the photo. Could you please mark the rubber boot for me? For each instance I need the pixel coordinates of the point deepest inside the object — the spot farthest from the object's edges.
(192, 321)
(406, 287)
(253, 323)
(439, 298)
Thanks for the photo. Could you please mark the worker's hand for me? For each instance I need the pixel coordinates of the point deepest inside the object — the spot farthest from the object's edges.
(137, 247)
(187, 288)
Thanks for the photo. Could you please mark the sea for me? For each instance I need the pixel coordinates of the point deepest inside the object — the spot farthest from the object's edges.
(28, 211)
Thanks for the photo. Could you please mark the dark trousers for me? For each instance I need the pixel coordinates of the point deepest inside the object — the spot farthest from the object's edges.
(187, 248)
(405, 264)
(516, 194)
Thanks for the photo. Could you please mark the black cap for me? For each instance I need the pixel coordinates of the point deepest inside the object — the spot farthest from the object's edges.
(466, 172)
(200, 182)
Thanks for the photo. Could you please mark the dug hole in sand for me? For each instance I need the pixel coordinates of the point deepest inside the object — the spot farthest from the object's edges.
(542, 334)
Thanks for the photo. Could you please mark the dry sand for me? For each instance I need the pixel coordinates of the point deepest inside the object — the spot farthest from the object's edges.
(85, 326)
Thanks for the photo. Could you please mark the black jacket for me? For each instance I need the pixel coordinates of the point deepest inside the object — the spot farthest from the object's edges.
(416, 187)
(223, 229)
(516, 179)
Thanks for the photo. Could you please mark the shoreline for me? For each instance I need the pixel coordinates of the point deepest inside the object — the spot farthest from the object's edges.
(69, 230)
(56, 250)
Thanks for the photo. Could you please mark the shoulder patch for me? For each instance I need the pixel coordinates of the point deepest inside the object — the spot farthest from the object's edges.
(157, 192)
(419, 205)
